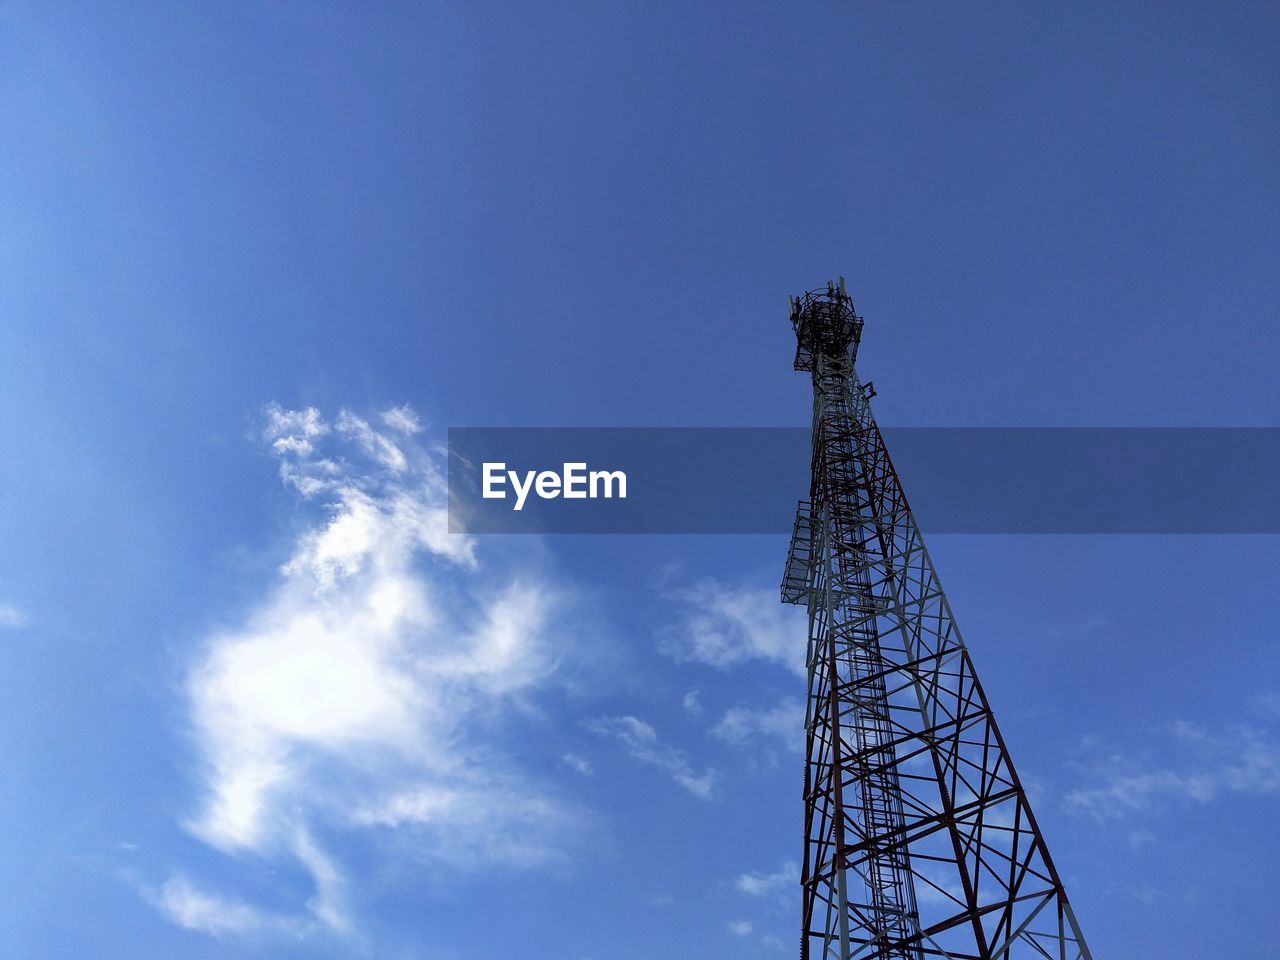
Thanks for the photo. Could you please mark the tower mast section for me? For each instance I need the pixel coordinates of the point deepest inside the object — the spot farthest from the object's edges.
(919, 840)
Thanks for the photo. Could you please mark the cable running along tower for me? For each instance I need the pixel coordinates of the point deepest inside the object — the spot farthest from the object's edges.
(919, 841)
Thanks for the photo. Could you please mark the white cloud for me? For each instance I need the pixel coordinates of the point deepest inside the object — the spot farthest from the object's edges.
(401, 419)
(579, 765)
(375, 444)
(328, 905)
(782, 723)
(1185, 763)
(692, 705)
(727, 626)
(13, 616)
(740, 928)
(640, 741)
(784, 880)
(359, 692)
(473, 817)
(194, 909)
(293, 432)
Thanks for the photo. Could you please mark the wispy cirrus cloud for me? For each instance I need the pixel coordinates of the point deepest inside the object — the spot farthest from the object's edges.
(402, 420)
(691, 702)
(781, 724)
(366, 688)
(640, 741)
(579, 765)
(725, 626)
(1184, 763)
(784, 880)
(13, 616)
(195, 909)
(772, 896)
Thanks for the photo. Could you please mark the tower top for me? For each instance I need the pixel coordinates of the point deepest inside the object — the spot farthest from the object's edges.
(826, 324)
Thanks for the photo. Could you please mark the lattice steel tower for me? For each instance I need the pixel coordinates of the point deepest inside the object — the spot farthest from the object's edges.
(919, 841)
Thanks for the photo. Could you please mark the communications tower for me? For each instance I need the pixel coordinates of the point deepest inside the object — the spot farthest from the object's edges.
(919, 841)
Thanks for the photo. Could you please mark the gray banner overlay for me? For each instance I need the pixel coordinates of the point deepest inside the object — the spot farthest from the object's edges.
(957, 479)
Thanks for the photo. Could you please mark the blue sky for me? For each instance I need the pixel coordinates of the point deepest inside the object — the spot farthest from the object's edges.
(255, 704)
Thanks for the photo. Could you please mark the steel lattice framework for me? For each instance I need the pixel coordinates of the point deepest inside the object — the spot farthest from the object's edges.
(919, 841)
